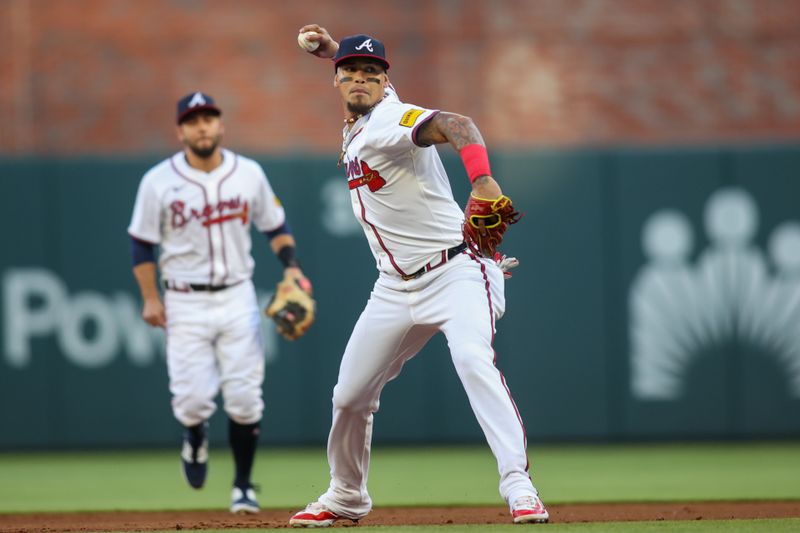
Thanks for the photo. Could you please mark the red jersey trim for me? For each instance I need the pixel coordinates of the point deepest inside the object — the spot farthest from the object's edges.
(377, 235)
(222, 226)
(205, 200)
(487, 285)
(415, 131)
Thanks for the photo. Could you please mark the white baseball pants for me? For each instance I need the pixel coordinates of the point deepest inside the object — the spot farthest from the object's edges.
(462, 299)
(214, 342)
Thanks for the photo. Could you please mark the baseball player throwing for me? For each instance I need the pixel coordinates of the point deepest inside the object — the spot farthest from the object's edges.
(429, 278)
(197, 207)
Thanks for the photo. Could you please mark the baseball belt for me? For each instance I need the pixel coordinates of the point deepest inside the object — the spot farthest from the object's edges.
(171, 285)
(447, 255)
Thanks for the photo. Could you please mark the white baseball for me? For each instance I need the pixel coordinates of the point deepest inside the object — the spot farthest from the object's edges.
(305, 44)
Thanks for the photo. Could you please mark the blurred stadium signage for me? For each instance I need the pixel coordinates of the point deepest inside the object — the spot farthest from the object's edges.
(91, 328)
(733, 290)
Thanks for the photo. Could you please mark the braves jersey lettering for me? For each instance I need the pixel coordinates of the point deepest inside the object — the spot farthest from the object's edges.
(363, 175)
(353, 168)
(234, 209)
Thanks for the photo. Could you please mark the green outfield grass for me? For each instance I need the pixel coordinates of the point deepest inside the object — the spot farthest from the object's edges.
(151, 480)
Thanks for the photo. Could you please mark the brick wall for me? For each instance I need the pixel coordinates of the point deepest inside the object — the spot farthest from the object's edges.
(102, 76)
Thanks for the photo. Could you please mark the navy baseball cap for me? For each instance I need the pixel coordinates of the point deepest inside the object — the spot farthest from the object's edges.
(361, 46)
(195, 102)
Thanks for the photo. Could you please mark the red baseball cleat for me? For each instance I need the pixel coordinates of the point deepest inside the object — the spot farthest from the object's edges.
(314, 515)
(529, 509)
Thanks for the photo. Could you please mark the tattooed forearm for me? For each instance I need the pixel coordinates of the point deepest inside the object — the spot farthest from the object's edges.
(456, 129)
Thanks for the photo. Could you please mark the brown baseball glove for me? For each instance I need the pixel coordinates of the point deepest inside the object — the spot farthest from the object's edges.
(292, 307)
(485, 222)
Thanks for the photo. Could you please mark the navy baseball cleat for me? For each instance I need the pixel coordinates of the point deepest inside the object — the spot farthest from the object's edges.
(243, 500)
(194, 455)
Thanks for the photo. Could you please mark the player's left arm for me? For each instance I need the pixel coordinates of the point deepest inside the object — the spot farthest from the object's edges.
(488, 212)
(269, 218)
(284, 247)
(462, 133)
(291, 307)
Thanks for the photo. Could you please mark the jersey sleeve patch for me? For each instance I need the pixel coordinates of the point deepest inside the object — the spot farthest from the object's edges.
(410, 117)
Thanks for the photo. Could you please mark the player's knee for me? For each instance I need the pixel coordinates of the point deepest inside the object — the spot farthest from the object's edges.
(351, 400)
(244, 408)
(471, 359)
(192, 409)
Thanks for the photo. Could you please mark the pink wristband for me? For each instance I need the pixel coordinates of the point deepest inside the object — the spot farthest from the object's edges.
(476, 161)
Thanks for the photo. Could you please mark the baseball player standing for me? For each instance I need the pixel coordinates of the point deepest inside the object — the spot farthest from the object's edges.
(197, 207)
(429, 278)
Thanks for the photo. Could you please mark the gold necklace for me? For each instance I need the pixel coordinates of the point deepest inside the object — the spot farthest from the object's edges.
(349, 122)
(348, 127)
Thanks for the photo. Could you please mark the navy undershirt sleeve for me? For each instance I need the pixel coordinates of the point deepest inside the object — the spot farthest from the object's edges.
(283, 228)
(142, 252)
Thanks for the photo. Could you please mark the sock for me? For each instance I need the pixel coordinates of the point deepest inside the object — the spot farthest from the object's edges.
(243, 440)
(196, 434)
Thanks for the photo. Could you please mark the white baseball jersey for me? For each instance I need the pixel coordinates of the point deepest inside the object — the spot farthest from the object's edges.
(400, 192)
(202, 220)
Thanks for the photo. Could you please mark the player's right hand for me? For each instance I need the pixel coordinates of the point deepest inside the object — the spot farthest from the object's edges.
(154, 314)
(327, 46)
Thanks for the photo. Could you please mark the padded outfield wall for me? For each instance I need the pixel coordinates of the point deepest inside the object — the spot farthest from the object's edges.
(658, 297)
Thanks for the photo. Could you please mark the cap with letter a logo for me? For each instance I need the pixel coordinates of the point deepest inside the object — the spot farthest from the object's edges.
(361, 45)
(195, 102)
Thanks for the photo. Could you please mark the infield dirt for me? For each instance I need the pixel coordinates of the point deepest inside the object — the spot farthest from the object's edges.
(392, 516)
